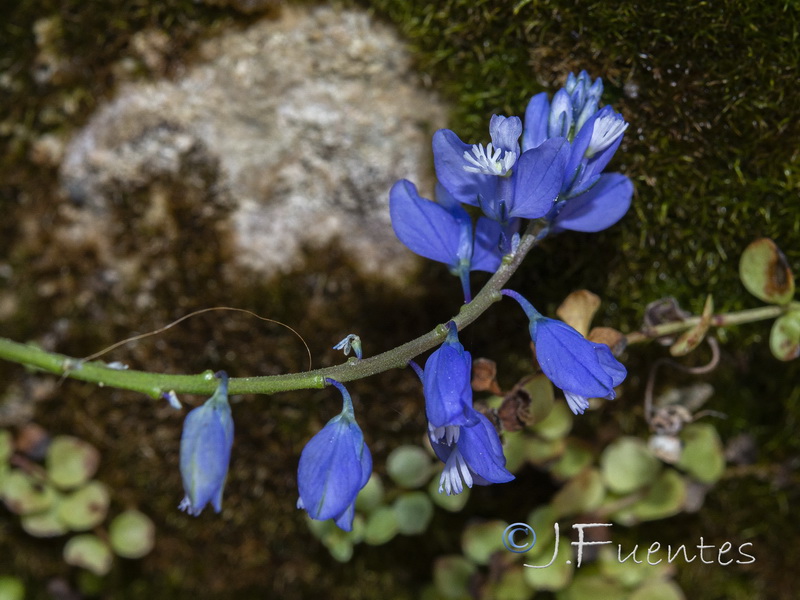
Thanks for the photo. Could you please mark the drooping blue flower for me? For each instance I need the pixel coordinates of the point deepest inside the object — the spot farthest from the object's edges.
(582, 369)
(471, 455)
(504, 182)
(206, 450)
(334, 466)
(446, 383)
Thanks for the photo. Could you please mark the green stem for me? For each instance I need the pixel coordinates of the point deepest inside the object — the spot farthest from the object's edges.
(750, 315)
(155, 384)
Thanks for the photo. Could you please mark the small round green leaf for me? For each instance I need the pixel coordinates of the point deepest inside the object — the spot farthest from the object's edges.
(371, 495)
(340, 544)
(514, 449)
(84, 508)
(765, 272)
(409, 466)
(589, 583)
(510, 586)
(557, 424)
(582, 493)
(558, 575)
(627, 572)
(481, 540)
(381, 526)
(88, 552)
(703, 456)
(665, 497)
(45, 524)
(784, 338)
(6, 445)
(577, 455)
(11, 588)
(71, 462)
(659, 589)
(132, 534)
(539, 451)
(452, 502)
(542, 397)
(26, 495)
(413, 512)
(628, 464)
(451, 576)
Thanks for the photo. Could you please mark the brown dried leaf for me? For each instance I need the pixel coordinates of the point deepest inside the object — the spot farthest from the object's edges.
(484, 376)
(609, 336)
(691, 339)
(578, 309)
(514, 412)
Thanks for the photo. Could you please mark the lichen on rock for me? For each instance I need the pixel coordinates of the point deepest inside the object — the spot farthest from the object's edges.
(306, 121)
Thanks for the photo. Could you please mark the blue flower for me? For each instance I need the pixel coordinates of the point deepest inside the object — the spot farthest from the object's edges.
(442, 231)
(504, 182)
(471, 455)
(446, 384)
(206, 451)
(582, 369)
(587, 201)
(334, 466)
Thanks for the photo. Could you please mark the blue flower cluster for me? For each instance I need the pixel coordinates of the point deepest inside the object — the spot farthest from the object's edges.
(551, 170)
(555, 174)
(461, 437)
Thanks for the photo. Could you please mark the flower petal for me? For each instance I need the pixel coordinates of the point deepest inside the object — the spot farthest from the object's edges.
(536, 115)
(345, 520)
(598, 208)
(481, 448)
(505, 132)
(611, 365)
(449, 163)
(569, 360)
(446, 385)
(538, 177)
(426, 228)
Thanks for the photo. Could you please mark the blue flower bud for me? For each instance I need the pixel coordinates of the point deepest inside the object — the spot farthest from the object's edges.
(334, 466)
(206, 451)
(446, 383)
(351, 342)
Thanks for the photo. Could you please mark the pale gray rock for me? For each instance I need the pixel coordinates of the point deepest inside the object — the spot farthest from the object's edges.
(305, 123)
